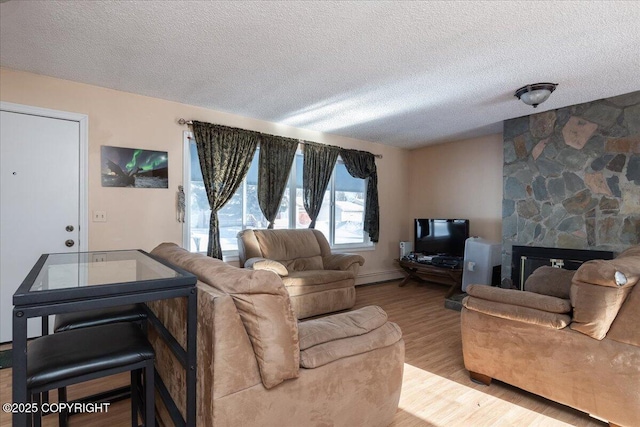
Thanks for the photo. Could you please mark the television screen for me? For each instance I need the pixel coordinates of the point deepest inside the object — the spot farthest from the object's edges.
(441, 236)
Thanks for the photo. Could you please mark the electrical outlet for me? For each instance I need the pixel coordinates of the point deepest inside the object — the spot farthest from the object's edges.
(99, 257)
(99, 216)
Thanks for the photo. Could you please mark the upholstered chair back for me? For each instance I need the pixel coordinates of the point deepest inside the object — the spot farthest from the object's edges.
(297, 250)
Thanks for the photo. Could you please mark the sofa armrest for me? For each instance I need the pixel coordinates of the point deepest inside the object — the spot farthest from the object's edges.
(518, 313)
(338, 326)
(258, 263)
(319, 355)
(343, 262)
(334, 340)
(600, 288)
(520, 298)
(523, 306)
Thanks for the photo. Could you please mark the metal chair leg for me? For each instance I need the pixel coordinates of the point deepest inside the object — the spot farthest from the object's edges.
(149, 390)
(63, 416)
(37, 420)
(135, 375)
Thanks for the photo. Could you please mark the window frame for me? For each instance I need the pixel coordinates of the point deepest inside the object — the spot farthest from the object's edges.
(232, 255)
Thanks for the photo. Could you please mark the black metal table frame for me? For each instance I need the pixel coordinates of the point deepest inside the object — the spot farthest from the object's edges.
(96, 297)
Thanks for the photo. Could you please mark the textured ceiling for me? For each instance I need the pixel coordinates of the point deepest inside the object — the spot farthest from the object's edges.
(407, 74)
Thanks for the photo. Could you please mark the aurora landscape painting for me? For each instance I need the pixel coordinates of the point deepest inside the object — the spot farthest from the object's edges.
(131, 167)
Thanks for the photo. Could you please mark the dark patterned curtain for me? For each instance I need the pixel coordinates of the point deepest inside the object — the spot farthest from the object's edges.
(319, 161)
(361, 164)
(225, 156)
(276, 158)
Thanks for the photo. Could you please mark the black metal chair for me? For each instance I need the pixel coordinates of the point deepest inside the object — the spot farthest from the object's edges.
(75, 356)
(134, 313)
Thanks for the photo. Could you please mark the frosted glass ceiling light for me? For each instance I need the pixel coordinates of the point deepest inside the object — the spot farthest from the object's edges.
(536, 93)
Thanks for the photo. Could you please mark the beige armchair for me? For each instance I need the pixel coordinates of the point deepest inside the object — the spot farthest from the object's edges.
(318, 281)
(258, 366)
(572, 337)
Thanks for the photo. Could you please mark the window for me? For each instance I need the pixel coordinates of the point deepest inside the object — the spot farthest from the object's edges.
(340, 219)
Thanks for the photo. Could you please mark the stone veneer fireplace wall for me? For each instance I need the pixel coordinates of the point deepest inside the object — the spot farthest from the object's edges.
(572, 178)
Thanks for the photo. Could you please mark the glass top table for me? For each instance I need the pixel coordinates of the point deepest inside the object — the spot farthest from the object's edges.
(57, 277)
(70, 282)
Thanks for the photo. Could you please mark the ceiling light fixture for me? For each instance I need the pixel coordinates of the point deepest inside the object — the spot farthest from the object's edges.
(536, 93)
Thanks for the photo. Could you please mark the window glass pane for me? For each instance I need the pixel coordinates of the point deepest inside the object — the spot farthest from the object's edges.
(253, 215)
(322, 222)
(302, 218)
(282, 219)
(230, 220)
(244, 203)
(349, 207)
(243, 210)
(198, 205)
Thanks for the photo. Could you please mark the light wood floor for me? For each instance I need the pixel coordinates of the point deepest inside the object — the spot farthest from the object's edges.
(436, 390)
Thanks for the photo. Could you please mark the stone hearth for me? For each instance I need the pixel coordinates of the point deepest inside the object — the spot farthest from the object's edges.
(572, 178)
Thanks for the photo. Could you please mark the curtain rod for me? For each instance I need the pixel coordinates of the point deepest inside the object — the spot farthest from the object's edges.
(182, 121)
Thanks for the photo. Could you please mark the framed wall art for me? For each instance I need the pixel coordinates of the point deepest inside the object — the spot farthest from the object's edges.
(132, 167)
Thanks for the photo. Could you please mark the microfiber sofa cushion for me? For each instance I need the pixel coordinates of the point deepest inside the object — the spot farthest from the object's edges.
(267, 264)
(523, 306)
(319, 355)
(599, 289)
(515, 312)
(306, 282)
(296, 251)
(551, 281)
(342, 325)
(520, 298)
(264, 307)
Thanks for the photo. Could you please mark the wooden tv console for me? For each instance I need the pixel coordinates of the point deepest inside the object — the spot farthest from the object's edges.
(451, 277)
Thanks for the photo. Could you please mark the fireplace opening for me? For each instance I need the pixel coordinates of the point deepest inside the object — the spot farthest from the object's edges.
(526, 259)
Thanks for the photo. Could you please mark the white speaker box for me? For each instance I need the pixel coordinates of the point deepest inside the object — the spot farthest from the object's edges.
(405, 249)
(480, 256)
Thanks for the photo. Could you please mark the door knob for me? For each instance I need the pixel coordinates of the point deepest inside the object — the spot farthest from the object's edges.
(69, 228)
(69, 243)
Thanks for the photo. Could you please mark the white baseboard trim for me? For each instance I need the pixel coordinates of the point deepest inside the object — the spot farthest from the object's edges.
(379, 276)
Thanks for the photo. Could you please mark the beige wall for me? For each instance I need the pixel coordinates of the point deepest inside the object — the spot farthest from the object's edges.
(142, 218)
(461, 179)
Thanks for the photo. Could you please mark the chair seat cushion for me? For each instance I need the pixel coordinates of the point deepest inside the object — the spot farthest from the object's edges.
(105, 316)
(306, 282)
(69, 354)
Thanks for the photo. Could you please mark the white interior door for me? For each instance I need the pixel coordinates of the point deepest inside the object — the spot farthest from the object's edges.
(40, 209)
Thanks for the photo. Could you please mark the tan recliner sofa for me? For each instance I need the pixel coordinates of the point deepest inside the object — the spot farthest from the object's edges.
(258, 366)
(572, 337)
(318, 281)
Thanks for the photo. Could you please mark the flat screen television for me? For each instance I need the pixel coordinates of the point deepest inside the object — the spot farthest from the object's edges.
(441, 236)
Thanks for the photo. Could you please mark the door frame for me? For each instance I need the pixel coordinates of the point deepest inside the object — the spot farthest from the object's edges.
(83, 122)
